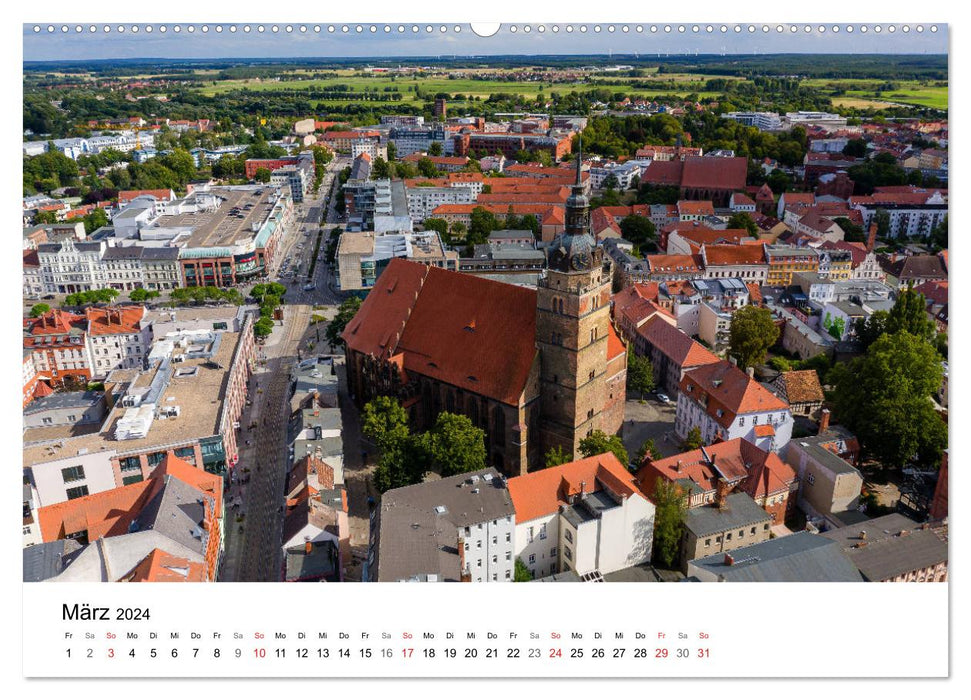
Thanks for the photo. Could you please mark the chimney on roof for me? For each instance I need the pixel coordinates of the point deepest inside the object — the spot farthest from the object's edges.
(871, 240)
(824, 421)
(308, 546)
(862, 534)
(751, 372)
(677, 467)
(583, 486)
(722, 489)
(729, 560)
(733, 361)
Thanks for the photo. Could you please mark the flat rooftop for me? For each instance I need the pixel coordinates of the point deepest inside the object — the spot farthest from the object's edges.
(231, 223)
(199, 397)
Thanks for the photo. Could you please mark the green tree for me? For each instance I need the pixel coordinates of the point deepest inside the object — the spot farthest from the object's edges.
(909, 313)
(780, 364)
(884, 398)
(598, 442)
(262, 175)
(869, 329)
(669, 508)
(648, 450)
(381, 170)
(402, 464)
(639, 230)
(435, 149)
(692, 441)
(39, 309)
(751, 334)
(743, 220)
(263, 327)
(455, 445)
(555, 456)
(640, 373)
(522, 573)
(45, 217)
(392, 150)
(385, 422)
(855, 148)
(482, 222)
(345, 312)
(882, 219)
(852, 233)
(427, 168)
(141, 294)
(440, 225)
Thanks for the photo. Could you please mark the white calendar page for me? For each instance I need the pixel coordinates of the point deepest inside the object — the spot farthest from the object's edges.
(237, 90)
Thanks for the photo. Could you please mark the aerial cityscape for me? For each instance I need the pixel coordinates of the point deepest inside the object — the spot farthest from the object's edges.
(599, 317)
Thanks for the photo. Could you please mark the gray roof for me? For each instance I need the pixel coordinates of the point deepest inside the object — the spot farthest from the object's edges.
(742, 511)
(64, 399)
(327, 418)
(899, 555)
(129, 252)
(894, 545)
(822, 456)
(177, 512)
(160, 253)
(418, 526)
(321, 562)
(568, 576)
(46, 560)
(799, 558)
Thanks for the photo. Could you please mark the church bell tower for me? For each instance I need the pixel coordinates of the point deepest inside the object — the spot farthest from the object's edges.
(572, 328)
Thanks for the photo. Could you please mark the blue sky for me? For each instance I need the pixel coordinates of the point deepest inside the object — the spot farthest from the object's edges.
(72, 45)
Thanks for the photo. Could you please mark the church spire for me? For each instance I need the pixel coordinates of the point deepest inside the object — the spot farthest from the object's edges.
(579, 159)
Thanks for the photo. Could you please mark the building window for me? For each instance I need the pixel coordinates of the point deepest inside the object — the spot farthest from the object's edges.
(70, 474)
(529, 535)
(728, 537)
(741, 533)
(508, 556)
(553, 552)
(568, 553)
(532, 558)
(542, 531)
(766, 526)
(708, 542)
(508, 575)
(753, 530)
(77, 492)
(568, 535)
(508, 537)
(811, 479)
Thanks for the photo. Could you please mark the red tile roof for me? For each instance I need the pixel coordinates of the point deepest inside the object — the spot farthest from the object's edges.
(702, 235)
(467, 331)
(733, 255)
(934, 291)
(675, 263)
(102, 514)
(730, 390)
(675, 344)
(615, 346)
(114, 320)
(161, 567)
(714, 173)
(802, 386)
(543, 492)
(764, 431)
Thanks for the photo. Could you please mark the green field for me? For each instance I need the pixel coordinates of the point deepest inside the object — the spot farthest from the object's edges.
(862, 93)
(464, 86)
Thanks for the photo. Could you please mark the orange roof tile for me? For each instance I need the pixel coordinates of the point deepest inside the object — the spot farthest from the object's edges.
(733, 255)
(615, 346)
(161, 567)
(462, 330)
(114, 320)
(729, 390)
(102, 514)
(764, 431)
(543, 492)
(675, 344)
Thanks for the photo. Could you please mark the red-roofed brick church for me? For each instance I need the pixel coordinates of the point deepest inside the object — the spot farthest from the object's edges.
(534, 368)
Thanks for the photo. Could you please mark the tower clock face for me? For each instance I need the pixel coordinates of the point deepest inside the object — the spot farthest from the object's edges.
(581, 261)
